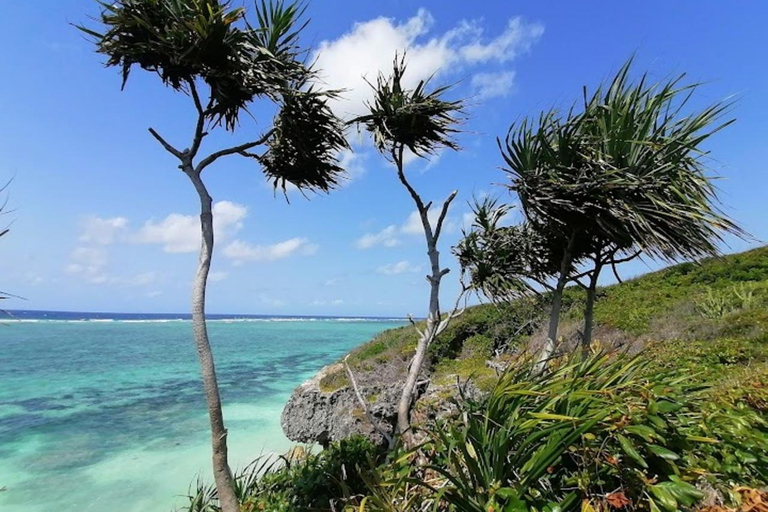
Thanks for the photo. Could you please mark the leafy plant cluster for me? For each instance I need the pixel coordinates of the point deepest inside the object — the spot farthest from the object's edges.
(296, 484)
(209, 40)
(598, 434)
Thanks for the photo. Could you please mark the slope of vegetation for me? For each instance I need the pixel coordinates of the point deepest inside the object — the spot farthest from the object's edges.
(682, 306)
(675, 419)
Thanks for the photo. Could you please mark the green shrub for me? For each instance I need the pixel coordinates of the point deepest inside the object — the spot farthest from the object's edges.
(591, 433)
(478, 345)
(316, 482)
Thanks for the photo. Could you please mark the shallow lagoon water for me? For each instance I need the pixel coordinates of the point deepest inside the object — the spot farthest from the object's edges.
(110, 415)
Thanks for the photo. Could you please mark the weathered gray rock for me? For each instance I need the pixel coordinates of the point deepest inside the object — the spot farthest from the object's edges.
(314, 416)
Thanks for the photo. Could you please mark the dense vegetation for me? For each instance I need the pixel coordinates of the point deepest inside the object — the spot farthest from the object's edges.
(670, 412)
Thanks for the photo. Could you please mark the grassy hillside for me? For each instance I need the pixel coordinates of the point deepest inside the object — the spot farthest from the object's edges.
(713, 314)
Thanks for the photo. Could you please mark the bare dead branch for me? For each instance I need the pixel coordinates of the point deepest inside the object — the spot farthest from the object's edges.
(415, 326)
(200, 127)
(443, 214)
(628, 258)
(390, 440)
(397, 155)
(231, 151)
(457, 310)
(616, 272)
(172, 150)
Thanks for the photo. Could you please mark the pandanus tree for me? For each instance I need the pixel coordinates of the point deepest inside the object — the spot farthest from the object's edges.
(625, 176)
(422, 122)
(504, 263)
(645, 151)
(208, 50)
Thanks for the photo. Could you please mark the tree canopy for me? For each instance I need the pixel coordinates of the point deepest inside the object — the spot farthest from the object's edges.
(187, 42)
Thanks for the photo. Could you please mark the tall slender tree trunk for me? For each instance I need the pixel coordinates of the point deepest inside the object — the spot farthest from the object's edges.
(222, 474)
(557, 304)
(435, 277)
(554, 321)
(589, 309)
(433, 321)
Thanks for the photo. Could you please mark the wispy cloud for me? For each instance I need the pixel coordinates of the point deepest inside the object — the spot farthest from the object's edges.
(179, 233)
(401, 267)
(391, 236)
(101, 231)
(388, 237)
(241, 251)
(492, 85)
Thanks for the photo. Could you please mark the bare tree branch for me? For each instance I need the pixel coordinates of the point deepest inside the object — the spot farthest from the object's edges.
(397, 155)
(172, 150)
(415, 326)
(231, 151)
(200, 127)
(628, 258)
(455, 312)
(390, 440)
(443, 213)
(616, 273)
(582, 285)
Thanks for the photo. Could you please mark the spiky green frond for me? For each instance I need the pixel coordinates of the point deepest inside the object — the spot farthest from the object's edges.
(505, 262)
(416, 119)
(188, 40)
(305, 147)
(629, 169)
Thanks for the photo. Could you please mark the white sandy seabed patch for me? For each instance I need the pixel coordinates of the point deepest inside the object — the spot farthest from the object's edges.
(143, 479)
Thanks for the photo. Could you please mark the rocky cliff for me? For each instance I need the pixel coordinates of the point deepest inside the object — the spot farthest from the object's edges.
(317, 415)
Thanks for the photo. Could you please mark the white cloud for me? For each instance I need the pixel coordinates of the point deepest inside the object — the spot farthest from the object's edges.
(413, 225)
(517, 38)
(179, 233)
(323, 302)
(102, 231)
(492, 85)
(352, 163)
(88, 263)
(154, 294)
(386, 237)
(217, 276)
(390, 236)
(241, 251)
(144, 279)
(369, 48)
(400, 267)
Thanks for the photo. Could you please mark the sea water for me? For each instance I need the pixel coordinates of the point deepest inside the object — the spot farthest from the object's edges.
(107, 412)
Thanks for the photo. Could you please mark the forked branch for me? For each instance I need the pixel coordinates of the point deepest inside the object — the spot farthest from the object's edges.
(172, 150)
(458, 309)
(443, 213)
(415, 326)
(205, 162)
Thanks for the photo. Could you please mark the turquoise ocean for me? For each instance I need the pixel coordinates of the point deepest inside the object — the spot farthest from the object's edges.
(105, 412)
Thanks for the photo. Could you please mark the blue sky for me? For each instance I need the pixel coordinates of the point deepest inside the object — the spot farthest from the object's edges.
(103, 220)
